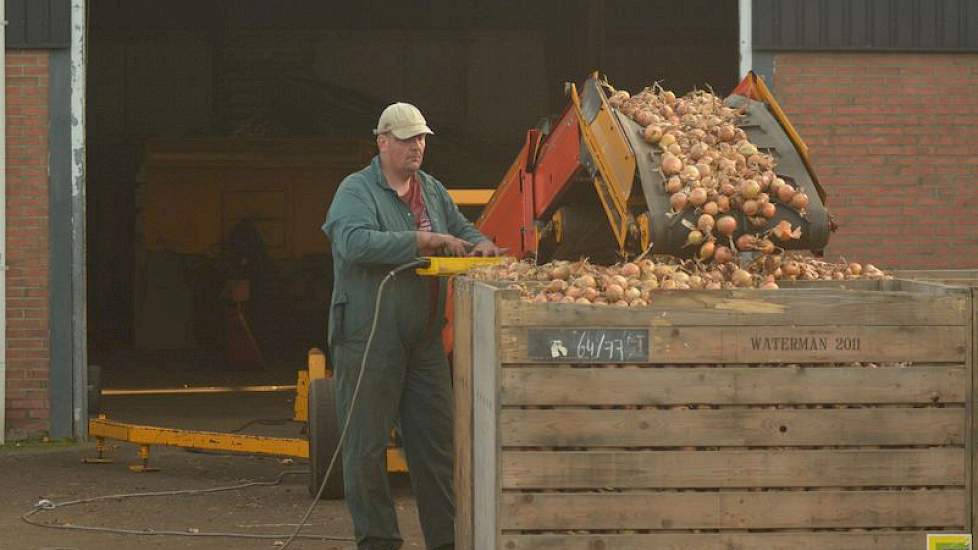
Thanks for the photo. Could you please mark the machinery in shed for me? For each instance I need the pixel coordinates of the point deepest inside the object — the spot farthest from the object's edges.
(584, 185)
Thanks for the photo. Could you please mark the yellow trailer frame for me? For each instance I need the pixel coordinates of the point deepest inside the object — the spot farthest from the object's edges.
(101, 428)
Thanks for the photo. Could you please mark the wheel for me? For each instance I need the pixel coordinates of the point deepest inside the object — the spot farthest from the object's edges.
(324, 435)
(94, 389)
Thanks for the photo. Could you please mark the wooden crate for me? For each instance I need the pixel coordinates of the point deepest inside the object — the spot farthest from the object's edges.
(836, 416)
(955, 277)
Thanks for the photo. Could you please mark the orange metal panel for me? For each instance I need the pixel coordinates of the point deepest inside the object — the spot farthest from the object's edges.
(502, 218)
(559, 159)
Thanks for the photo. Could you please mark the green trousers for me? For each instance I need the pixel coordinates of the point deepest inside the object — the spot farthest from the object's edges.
(409, 384)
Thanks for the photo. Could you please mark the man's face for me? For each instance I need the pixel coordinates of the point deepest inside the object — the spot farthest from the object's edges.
(402, 155)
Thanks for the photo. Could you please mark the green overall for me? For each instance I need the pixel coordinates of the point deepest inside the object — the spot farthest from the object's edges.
(407, 377)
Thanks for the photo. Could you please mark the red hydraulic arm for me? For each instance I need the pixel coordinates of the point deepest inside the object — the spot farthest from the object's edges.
(534, 182)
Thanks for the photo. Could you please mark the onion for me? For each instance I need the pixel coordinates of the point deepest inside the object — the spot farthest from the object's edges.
(694, 238)
(711, 208)
(561, 272)
(741, 278)
(791, 268)
(678, 201)
(614, 293)
(786, 193)
(784, 232)
(630, 269)
(768, 210)
(697, 151)
(746, 242)
(644, 117)
(799, 201)
(585, 281)
(617, 98)
(726, 132)
(764, 246)
(749, 207)
(557, 285)
(707, 250)
(747, 149)
(704, 169)
(750, 189)
(574, 292)
(723, 204)
(706, 223)
(697, 197)
(674, 185)
(668, 97)
(726, 225)
(855, 268)
(690, 173)
(671, 164)
(722, 255)
(619, 280)
(666, 140)
(582, 301)
(632, 293)
(652, 133)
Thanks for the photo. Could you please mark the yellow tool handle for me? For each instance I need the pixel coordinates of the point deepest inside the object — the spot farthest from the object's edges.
(444, 266)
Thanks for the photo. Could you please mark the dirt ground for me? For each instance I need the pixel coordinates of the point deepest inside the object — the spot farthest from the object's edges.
(56, 473)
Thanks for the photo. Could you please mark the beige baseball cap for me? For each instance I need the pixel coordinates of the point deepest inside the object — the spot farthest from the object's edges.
(403, 120)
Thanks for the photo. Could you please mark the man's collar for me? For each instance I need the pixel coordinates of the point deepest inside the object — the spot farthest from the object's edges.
(381, 181)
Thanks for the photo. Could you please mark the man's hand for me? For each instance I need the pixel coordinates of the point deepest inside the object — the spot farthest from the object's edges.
(430, 244)
(487, 248)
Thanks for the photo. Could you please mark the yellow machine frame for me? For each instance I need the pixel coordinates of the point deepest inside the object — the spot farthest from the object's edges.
(101, 428)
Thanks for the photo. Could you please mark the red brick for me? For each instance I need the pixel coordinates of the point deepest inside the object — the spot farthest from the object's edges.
(28, 317)
(898, 122)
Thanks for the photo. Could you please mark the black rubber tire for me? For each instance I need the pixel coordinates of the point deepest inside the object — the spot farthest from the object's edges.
(94, 390)
(324, 435)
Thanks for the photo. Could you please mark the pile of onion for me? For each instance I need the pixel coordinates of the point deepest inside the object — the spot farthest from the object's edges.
(710, 167)
(635, 284)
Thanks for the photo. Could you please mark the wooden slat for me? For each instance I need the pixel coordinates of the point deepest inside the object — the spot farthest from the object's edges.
(733, 385)
(732, 427)
(972, 443)
(782, 344)
(801, 307)
(733, 510)
(903, 540)
(948, 276)
(485, 418)
(734, 469)
(462, 384)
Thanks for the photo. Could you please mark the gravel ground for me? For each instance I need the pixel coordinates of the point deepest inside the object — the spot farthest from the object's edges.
(55, 472)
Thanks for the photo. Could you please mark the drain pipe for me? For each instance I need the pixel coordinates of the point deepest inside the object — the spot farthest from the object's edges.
(746, 37)
(79, 327)
(3, 223)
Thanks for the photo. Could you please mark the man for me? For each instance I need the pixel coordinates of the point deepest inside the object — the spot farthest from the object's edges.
(386, 215)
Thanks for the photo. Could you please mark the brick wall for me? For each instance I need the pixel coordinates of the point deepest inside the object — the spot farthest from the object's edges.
(894, 141)
(28, 350)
